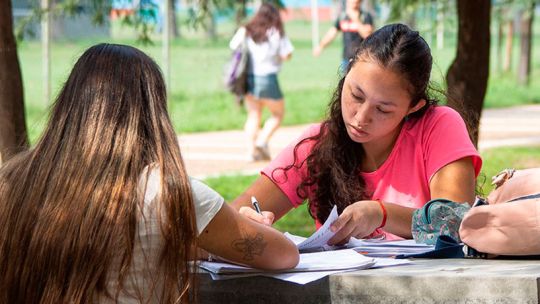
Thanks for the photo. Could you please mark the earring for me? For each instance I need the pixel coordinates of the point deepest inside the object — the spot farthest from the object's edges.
(406, 118)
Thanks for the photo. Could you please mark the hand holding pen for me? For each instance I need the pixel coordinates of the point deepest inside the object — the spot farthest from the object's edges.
(255, 204)
(256, 214)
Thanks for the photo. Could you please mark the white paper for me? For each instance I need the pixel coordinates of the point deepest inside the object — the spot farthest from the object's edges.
(309, 276)
(312, 266)
(369, 247)
(379, 248)
(354, 242)
(318, 240)
(389, 262)
(303, 278)
(314, 261)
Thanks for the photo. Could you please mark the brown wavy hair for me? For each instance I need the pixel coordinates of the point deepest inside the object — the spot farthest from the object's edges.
(335, 162)
(70, 206)
(267, 17)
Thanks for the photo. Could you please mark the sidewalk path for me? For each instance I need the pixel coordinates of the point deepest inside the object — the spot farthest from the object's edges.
(224, 152)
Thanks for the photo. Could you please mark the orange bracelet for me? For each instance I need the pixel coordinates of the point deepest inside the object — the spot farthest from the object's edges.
(384, 214)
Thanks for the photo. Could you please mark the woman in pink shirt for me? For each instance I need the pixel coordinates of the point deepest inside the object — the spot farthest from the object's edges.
(384, 150)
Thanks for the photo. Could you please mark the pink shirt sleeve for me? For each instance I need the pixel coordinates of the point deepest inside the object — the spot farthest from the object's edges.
(289, 180)
(445, 140)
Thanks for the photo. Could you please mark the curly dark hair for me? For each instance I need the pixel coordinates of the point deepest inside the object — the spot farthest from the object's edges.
(335, 162)
(267, 17)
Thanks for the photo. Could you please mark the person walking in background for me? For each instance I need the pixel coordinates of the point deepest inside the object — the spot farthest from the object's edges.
(355, 24)
(268, 47)
(384, 150)
(102, 210)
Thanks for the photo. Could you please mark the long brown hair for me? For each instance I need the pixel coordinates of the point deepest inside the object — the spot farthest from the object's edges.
(267, 17)
(69, 206)
(335, 162)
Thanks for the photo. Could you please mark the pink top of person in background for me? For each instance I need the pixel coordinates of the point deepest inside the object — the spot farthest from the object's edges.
(383, 151)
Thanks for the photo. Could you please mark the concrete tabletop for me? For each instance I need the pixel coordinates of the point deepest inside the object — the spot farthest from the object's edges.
(424, 281)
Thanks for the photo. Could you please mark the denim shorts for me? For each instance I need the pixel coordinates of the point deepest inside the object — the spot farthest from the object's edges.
(266, 86)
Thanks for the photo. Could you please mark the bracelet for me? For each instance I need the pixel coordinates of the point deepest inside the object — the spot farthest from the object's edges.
(211, 258)
(384, 213)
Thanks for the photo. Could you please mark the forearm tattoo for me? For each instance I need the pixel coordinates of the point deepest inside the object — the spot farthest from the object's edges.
(250, 246)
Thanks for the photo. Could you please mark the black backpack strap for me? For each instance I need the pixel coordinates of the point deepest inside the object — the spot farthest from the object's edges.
(526, 197)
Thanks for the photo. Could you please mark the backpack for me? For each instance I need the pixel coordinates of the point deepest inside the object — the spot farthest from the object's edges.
(438, 217)
(509, 224)
(235, 76)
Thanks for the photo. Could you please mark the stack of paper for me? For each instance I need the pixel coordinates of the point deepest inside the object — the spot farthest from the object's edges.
(312, 266)
(381, 248)
(370, 247)
(315, 261)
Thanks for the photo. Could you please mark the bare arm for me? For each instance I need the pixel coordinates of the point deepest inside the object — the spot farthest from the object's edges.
(287, 57)
(238, 239)
(455, 181)
(330, 35)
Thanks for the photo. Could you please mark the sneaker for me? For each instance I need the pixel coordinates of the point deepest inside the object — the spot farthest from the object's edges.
(255, 156)
(263, 152)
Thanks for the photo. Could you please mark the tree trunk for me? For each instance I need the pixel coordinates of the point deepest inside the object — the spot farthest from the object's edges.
(524, 67)
(241, 12)
(13, 136)
(440, 25)
(508, 47)
(500, 34)
(467, 77)
(172, 20)
(211, 30)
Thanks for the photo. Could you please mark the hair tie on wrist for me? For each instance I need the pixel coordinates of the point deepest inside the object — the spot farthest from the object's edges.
(385, 214)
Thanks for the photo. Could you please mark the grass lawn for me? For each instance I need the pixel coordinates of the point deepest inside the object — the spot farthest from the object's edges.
(299, 222)
(198, 100)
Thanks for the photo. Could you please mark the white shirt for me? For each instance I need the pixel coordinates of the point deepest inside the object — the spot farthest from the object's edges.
(265, 57)
(148, 242)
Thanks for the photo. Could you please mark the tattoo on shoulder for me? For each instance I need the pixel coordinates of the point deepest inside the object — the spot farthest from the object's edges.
(250, 246)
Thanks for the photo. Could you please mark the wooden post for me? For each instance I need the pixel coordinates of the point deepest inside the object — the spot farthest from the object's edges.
(166, 49)
(46, 50)
(525, 30)
(507, 64)
(314, 24)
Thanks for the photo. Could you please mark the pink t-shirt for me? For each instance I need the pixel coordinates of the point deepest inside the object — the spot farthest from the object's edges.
(423, 146)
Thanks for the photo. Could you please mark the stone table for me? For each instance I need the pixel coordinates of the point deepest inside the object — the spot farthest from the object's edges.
(424, 281)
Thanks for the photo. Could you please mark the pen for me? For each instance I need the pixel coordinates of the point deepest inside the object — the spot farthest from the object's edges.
(255, 204)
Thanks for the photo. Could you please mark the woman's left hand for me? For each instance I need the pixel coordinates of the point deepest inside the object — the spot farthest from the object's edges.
(357, 220)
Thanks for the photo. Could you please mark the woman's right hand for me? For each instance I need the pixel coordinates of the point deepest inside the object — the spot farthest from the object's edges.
(266, 218)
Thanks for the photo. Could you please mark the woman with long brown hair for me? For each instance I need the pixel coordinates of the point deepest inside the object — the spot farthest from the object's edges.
(101, 209)
(384, 150)
(268, 47)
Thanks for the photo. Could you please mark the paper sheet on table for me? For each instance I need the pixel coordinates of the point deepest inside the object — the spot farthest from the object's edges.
(318, 240)
(314, 261)
(354, 242)
(382, 248)
(293, 277)
(367, 247)
(307, 277)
